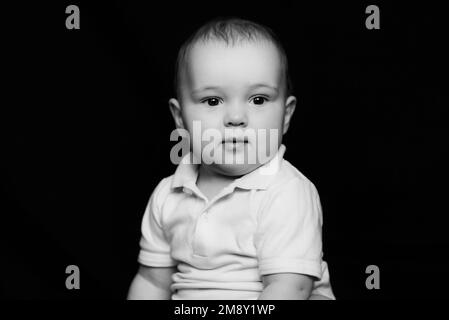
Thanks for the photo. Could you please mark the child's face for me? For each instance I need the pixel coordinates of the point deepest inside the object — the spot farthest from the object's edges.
(228, 88)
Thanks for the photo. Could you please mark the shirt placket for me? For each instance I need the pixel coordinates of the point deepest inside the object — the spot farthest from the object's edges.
(200, 233)
(202, 230)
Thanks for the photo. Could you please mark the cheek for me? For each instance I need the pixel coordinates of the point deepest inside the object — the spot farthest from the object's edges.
(203, 127)
(198, 117)
(272, 118)
(188, 114)
(190, 118)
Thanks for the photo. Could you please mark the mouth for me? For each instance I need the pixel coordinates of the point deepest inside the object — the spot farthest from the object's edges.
(235, 144)
(236, 140)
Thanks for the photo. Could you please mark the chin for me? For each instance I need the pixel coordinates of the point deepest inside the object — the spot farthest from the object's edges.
(235, 170)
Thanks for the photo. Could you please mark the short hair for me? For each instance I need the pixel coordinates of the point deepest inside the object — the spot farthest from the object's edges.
(231, 31)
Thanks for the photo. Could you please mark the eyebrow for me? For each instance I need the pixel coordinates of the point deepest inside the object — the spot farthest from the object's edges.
(252, 87)
(263, 85)
(196, 91)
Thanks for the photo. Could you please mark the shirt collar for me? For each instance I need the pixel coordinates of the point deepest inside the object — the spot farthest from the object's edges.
(187, 172)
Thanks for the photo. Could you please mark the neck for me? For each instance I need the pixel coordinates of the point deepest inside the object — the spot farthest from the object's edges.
(206, 172)
(211, 182)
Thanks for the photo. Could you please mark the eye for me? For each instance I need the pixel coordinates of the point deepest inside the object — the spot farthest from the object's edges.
(212, 101)
(259, 100)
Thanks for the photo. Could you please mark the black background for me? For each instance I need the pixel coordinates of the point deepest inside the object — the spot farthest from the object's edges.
(87, 129)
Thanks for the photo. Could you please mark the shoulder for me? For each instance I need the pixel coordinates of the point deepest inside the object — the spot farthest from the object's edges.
(162, 190)
(291, 195)
(290, 179)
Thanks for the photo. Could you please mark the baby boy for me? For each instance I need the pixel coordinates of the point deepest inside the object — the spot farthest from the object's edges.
(240, 222)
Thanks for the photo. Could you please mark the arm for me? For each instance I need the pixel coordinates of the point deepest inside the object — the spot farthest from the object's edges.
(286, 286)
(151, 283)
(293, 249)
(319, 297)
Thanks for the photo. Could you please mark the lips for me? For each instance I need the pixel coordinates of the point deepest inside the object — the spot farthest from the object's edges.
(235, 144)
(236, 140)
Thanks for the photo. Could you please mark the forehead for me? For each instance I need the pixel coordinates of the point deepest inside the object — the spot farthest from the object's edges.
(243, 64)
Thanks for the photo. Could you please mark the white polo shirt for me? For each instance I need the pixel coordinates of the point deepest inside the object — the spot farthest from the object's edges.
(260, 224)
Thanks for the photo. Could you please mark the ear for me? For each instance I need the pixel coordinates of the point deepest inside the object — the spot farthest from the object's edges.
(175, 109)
(290, 105)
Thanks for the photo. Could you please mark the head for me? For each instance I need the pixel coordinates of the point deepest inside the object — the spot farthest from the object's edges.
(232, 80)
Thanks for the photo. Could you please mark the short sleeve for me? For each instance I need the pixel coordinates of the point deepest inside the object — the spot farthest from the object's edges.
(288, 238)
(154, 247)
(323, 287)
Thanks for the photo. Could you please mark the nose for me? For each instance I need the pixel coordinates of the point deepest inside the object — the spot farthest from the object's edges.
(236, 116)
